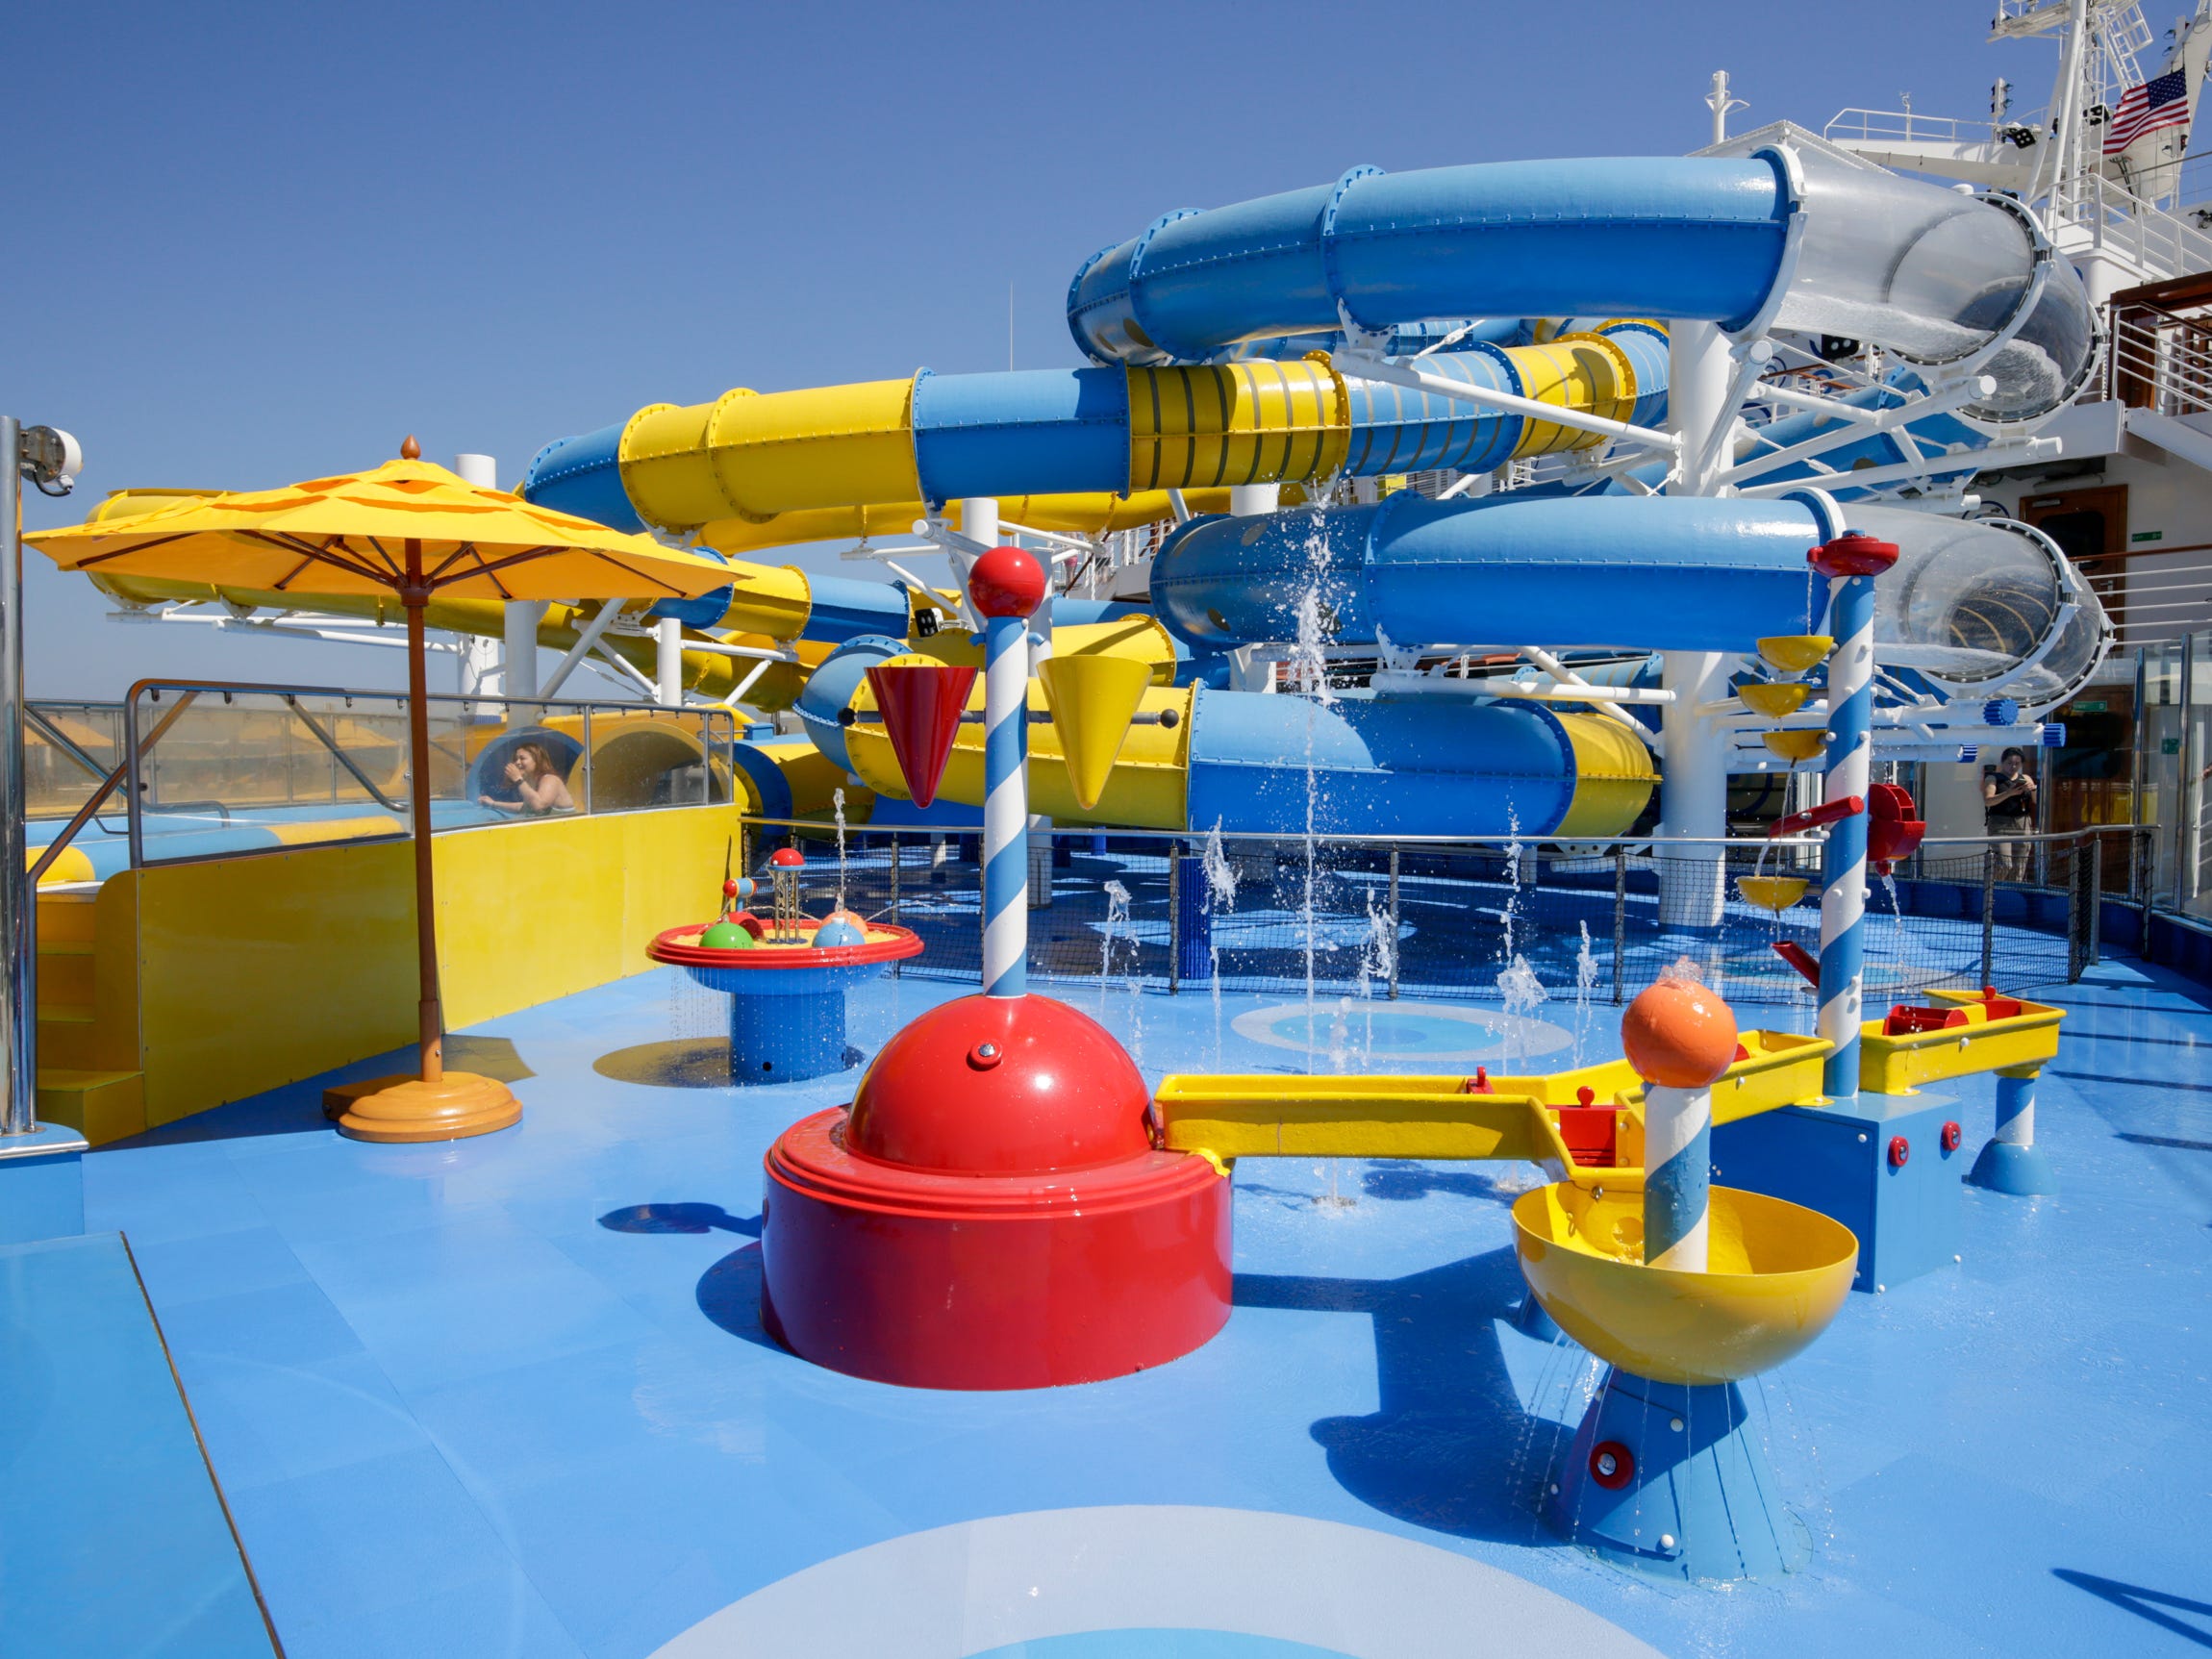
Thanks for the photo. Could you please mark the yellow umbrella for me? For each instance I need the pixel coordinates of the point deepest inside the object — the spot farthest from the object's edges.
(413, 529)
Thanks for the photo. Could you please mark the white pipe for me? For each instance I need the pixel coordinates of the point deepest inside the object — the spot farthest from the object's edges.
(1254, 500)
(586, 639)
(668, 664)
(1366, 367)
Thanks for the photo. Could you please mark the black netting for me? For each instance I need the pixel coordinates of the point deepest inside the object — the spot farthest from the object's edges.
(1267, 914)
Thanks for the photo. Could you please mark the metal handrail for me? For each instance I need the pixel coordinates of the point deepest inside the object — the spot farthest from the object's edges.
(717, 730)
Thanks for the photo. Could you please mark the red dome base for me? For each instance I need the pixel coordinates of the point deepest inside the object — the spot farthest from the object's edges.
(1101, 1257)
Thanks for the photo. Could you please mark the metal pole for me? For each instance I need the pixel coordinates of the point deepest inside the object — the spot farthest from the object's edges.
(1620, 923)
(586, 760)
(2096, 898)
(1393, 924)
(896, 860)
(1175, 917)
(2184, 783)
(1989, 914)
(19, 908)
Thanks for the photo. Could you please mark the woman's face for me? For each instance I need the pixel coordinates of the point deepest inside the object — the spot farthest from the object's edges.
(2010, 765)
(523, 767)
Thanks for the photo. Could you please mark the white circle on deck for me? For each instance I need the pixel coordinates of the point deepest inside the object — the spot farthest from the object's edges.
(1371, 1029)
(983, 1585)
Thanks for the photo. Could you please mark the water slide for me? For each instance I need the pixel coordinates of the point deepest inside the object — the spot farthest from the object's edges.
(1182, 324)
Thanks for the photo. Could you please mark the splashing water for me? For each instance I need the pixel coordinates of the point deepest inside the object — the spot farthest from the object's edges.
(1116, 922)
(1309, 663)
(1585, 982)
(1522, 995)
(1220, 898)
(1511, 914)
(837, 798)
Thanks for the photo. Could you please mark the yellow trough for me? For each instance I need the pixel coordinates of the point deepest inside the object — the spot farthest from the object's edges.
(2014, 1041)
(1779, 1273)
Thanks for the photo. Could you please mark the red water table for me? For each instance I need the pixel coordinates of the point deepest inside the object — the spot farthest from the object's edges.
(990, 1211)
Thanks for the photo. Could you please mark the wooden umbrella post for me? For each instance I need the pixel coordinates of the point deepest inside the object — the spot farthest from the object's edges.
(415, 596)
(433, 1103)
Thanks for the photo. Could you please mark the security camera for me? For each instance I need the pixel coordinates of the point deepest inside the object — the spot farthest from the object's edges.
(52, 459)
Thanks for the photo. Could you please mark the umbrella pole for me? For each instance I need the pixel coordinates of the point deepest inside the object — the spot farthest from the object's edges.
(432, 1038)
(434, 1104)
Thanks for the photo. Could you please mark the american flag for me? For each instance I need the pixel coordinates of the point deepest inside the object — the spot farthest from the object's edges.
(2150, 108)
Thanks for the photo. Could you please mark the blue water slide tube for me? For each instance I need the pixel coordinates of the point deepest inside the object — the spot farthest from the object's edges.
(1695, 238)
(1671, 572)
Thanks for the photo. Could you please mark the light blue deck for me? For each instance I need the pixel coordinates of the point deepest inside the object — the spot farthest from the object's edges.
(477, 1398)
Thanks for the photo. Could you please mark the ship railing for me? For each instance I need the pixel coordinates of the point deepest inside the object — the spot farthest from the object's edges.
(217, 768)
(1516, 922)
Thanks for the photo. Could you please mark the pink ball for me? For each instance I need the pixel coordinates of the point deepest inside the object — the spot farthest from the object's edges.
(1006, 582)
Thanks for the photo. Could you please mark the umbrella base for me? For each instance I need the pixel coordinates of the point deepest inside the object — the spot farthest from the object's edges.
(405, 1108)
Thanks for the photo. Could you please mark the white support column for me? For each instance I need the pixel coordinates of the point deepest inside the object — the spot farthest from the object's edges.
(480, 667)
(668, 663)
(520, 653)
(1252, 500)
(1694, 750)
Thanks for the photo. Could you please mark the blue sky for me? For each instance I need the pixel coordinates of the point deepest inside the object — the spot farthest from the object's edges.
(257, 242)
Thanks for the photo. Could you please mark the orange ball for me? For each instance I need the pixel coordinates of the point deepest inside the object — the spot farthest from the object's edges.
(1678, 1033)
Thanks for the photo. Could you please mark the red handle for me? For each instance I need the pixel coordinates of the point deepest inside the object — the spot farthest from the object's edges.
(1813, 818)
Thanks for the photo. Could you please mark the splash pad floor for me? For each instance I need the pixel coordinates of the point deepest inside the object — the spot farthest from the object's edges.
(511, 1395)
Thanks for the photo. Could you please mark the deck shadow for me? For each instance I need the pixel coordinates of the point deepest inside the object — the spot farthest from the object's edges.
(680, 1063)
(1451, 1448)
(2145, 1603)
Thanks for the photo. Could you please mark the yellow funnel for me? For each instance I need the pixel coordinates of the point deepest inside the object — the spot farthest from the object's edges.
(1798, 743)
(1779, 1273)
(1775, 893)
(1774, 700)
(1091, 699)
(1794, 653)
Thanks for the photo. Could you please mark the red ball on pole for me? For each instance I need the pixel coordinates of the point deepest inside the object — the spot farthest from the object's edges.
(1006, 582)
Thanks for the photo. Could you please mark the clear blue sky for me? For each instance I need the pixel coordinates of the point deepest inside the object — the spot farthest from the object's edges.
(256, 242)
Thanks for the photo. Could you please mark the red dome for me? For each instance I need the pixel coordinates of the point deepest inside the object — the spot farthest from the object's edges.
(1001, 1085)
(1006, 582)
(787, 858)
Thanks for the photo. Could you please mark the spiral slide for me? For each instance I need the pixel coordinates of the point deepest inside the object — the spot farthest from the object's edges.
(1184, 393)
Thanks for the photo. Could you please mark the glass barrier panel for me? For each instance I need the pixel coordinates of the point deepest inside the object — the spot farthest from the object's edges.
(245, 770)
(67, 749)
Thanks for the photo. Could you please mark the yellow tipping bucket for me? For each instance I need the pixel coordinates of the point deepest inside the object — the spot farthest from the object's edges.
(1775, 893)
(1091, 699)
(1794, 653)
(1774, 698)
(1779, 1273)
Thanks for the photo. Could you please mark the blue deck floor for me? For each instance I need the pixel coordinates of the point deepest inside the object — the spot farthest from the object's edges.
(511, 1395)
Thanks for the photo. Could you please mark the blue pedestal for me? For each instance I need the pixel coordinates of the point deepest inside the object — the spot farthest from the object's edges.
(1194, 921)
(2020, 1171)
(1836, 1159)
(41, 1185)
(787, 1039)
(1672, 1480)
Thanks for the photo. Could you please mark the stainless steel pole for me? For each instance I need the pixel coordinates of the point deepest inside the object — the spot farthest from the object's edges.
(18, 903)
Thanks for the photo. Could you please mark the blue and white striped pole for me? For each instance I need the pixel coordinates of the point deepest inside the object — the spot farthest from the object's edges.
(2012, 1162)
(1005, 586)
(1849, 561)
(1678, 1179)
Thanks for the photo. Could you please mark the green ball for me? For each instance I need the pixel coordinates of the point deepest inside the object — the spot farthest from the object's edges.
(726, 936)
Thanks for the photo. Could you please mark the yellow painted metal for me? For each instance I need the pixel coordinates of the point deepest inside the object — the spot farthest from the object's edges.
(1092, 698)
(71, 864)
(1794, 744)
(1147, 789)
(1271, 1116)
(1775, 893)
(811, 776)
(1236, 423)
(750, 456)
(313, 832)
(1613, 777)
(102, 1106)
(1586, 373)
(1774, 698)
(1779, 1273)
(1899, 1065)
(1795, 653)
(226, 977)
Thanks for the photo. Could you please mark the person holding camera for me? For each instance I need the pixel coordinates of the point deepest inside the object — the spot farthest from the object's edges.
(2008, 812)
